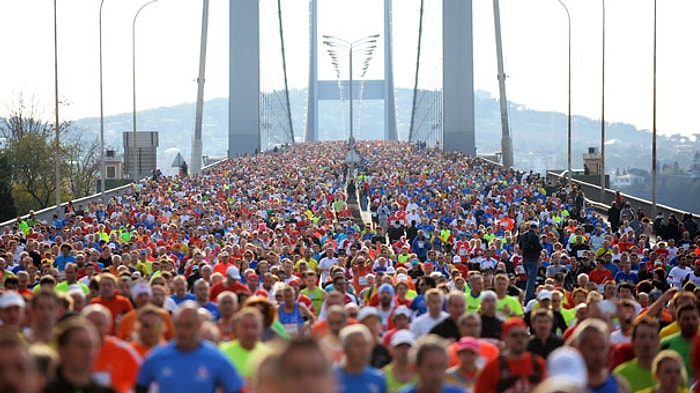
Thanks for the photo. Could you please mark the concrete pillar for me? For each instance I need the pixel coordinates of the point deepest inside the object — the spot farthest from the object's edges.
(458, 77)
(244, 78)
(312, 102)
(390, 131)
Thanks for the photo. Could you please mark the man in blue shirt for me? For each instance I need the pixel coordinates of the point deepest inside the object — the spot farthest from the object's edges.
(188, 362)
(64, 257)
(356, 375)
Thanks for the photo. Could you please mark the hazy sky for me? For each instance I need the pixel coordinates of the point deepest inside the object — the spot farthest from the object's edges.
(534, 42)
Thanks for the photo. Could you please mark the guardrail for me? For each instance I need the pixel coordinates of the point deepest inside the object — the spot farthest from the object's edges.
(637, 203)
(593, 190)
(47, 214)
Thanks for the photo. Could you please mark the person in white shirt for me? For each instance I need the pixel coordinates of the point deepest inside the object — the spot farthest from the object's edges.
(326, 263)
(672, 249)
(624, 333)
(694, 276)
(423, 324)
(678, 273)
(488, 261)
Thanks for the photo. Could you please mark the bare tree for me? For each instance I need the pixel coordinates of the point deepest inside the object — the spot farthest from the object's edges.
(82, 157)
(31, 154)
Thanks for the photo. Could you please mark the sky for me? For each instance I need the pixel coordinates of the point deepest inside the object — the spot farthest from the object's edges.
(534, 44)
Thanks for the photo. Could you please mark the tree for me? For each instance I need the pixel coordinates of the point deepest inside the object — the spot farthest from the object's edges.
(83, 163)
(8, 210)
(31, 154)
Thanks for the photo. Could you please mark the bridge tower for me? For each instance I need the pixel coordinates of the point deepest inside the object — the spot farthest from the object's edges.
(244, 81)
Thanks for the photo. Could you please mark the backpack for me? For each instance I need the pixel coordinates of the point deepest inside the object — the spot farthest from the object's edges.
(506, 380)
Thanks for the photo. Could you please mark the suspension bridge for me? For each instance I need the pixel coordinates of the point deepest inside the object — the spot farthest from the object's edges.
(442, 104)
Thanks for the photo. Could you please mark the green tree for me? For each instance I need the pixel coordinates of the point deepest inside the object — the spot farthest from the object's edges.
(8, 210)
(31, 154)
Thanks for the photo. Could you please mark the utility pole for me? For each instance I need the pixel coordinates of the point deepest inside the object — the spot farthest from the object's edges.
(196, 157)
(506, 141)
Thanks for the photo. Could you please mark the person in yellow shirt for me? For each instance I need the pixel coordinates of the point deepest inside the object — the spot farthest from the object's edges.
(308, 258)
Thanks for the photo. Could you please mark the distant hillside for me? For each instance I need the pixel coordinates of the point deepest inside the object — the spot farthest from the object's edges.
(539, 137)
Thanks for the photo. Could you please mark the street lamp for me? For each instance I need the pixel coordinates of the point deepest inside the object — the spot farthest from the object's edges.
(602, 117)
(568, 116)
(366, 45)
(102, 119)
(653, 130)
(58, 124)
(134, 171)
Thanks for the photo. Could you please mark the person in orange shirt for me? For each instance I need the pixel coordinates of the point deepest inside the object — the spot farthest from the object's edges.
(117, 363)
(117, 305)
(360, 269)
(148, 331)
(141, 294)
(223, 263)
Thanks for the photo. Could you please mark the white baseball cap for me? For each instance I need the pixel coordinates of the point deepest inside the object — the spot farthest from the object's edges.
(403, 336)
(11, 299)
(233, 272)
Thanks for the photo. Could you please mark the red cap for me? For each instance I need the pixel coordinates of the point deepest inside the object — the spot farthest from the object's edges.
(512, 322)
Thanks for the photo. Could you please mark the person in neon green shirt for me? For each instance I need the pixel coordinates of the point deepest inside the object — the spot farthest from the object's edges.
(506, 305)
(247, 347)
(399, 373)
(645, 341)
(473, 297)
(668, 371)
(489, 236)
(681, 342)
(312, 291)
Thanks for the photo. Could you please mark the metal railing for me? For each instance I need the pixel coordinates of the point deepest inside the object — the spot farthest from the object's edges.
(636, 203)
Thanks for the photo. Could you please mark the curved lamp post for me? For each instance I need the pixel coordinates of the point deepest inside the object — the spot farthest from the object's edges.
(134, 171)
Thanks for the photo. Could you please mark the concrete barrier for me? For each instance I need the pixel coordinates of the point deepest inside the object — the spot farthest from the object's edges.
(592, 192)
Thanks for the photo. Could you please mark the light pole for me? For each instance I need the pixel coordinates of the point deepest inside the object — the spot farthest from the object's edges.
(568, 116)
(506, 140)
(102, 119)
(58, 124)
(367, 45)
(134, 171)
(654, 169)
(602, 118)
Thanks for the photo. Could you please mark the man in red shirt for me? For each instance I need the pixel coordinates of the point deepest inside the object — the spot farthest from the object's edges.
(516, 369)
(231, 283)
(600, 274)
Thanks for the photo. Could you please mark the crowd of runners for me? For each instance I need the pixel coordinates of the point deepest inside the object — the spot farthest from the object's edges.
(259, 276)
